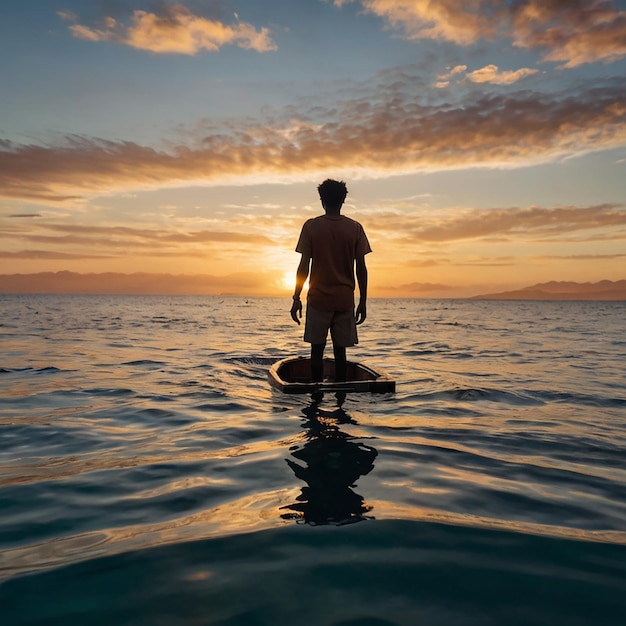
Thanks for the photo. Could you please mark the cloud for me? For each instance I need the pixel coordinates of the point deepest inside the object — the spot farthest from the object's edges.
(583, 257)
(67, 16)
(112, 237)
(452, 20)
(496, 261)
(427, 262)
(417, 289)
(176, 31)
(572, 32)
(375, 134)
(492, 74)
(443, 80)
(249, 283)
(54, 241)
(488, 262)
(532, 223)
(488, 74)
(50, 255)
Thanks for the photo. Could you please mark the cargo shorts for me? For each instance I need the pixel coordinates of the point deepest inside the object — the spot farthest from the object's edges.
(342, 326)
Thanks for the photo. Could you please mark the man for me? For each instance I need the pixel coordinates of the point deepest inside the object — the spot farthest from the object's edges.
(331, 246)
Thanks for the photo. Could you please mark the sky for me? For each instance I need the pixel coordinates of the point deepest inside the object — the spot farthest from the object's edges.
(483, 142)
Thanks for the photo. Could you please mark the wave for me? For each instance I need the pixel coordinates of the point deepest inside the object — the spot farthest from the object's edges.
(380, 573)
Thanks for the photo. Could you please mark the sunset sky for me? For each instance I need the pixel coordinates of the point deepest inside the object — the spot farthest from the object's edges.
(483, 142)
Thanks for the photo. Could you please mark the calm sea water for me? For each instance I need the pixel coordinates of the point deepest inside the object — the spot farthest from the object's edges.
(150, 475)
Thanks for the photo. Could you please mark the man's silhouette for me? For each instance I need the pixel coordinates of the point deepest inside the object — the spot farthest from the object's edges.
(332, 246)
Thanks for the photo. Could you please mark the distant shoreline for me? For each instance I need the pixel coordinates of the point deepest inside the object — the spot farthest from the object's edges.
(287, 297)
(145, 284)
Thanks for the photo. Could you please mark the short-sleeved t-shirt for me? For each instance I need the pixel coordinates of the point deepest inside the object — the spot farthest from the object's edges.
(333, 242)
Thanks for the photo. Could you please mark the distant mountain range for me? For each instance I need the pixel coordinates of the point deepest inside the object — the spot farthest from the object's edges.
(556, 290)
(138, 283)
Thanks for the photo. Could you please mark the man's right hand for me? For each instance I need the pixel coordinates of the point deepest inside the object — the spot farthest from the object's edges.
(361, 313)
(296, 311)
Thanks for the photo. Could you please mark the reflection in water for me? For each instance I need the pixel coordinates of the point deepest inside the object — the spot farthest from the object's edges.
(333, 464)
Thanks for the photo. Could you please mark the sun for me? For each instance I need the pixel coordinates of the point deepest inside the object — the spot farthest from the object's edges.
(288, 280)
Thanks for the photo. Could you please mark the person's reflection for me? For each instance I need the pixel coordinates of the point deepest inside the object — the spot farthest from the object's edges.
(333, 464)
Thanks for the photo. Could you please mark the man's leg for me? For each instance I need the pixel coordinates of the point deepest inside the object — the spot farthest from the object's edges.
(340, 363)
(316, 333)
(343, 333)
(317, 362)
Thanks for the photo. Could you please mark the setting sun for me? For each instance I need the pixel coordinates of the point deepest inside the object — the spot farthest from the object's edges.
(288, 280)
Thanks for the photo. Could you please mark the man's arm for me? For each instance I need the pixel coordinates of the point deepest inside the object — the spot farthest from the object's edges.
(302, 273)
(361, 277)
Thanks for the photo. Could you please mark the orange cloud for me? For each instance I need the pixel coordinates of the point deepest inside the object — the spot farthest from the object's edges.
(452, 20)
(584, 257)
(412, 289)
(136, 283)
(533, 223)
(443, 80)
(488, 74)
(573, 32)
(177, 31)
(492, 74)
(373, 135)
(135, 240)
(49, 255)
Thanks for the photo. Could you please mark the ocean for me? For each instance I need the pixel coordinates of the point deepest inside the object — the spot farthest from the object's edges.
(149, 475)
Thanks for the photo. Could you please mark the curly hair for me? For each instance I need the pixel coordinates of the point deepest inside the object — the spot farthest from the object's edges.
(333, 192)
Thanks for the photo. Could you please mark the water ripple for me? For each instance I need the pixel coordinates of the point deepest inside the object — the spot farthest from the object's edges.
(154, 440)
